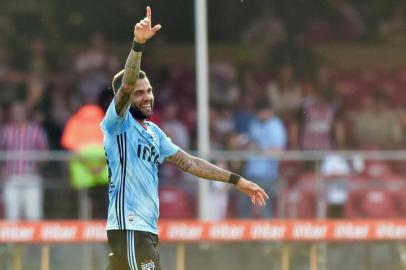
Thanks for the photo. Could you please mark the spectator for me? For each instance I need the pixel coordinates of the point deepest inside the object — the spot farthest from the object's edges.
(38, 62)
(221, 123)
(325, 83)
(268, 135)
(173, 127)
(95, 68)
(23, 183)
(286, 96)
(377, 126)
(88, 168)
(224, 90)
(252, 79)
(178, 132)
(37, 101)
(319, 126)
(58, 104)
(285, 93)
(224, 122)
(37, 77)
(243, 114)
(234, 141)
(326, 86)
(335, 171)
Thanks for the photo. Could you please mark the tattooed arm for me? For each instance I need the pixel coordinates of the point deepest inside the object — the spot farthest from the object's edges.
(199, 167)
(142, 32)
(131, 72)
(204, 169)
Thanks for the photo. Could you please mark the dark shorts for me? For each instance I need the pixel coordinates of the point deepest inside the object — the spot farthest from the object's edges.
(133, 250)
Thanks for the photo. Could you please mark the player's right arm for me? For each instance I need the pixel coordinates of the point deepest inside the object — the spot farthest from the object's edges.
(142, 32)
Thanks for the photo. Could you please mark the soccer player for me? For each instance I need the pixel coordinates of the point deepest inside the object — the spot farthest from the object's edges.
(134, 148)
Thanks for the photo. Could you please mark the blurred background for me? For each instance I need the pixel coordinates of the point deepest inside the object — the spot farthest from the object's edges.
(306, 98)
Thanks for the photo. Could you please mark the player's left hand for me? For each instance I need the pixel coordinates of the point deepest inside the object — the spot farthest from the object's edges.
(256, 193)
(144, 30)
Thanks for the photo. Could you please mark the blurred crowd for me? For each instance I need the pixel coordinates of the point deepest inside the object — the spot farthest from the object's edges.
(286, 106)
(329, 21)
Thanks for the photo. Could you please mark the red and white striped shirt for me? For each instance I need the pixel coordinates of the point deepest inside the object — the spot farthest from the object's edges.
(26, 137)
(318, 126)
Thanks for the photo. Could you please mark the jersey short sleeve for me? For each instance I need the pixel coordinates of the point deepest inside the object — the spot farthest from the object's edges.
(112, 122)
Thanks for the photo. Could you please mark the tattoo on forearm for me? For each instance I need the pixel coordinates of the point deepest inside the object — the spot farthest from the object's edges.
(131, 71)
(132, 68)
(199, 167)
(122, 100)
(182, 160)
(205, 169)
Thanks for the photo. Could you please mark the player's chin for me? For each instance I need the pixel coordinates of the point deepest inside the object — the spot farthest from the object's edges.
(147, 114)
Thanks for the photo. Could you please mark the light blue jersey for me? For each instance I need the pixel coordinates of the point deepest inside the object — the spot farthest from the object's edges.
(133, 153)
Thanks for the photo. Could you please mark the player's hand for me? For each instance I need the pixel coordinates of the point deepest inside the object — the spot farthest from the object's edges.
(255, 192)
(143, 30)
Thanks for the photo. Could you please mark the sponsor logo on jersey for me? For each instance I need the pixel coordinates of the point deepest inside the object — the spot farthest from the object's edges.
(148, 153)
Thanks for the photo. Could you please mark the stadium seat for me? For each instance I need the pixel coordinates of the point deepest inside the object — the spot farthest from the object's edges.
(355, 186)
(370, 198)
(299, 204)
(378, 169)
(300, 200)
(175, 204)
(378, 203)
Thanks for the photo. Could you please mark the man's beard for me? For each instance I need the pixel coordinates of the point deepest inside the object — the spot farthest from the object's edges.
(138, 114)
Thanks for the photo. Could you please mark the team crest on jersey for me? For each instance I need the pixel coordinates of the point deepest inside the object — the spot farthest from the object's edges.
(149, 265)
(131, 217)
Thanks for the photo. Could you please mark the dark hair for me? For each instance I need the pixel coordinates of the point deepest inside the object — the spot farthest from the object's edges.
(118, 79)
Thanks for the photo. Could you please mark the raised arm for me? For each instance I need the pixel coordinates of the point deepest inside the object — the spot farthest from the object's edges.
(142, 32)
(204, 169)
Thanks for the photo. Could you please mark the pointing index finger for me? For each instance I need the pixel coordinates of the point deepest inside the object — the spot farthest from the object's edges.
(148, 12)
